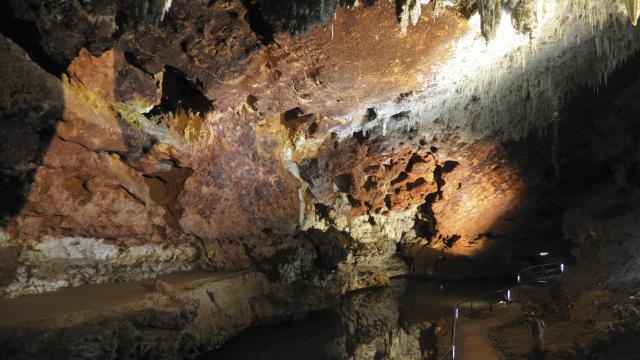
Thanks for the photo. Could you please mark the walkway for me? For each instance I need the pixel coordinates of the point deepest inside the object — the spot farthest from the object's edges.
(473, 341)
(97, 298)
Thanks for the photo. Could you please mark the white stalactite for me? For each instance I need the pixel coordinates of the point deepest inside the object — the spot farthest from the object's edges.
(633, 10)
(510, 84)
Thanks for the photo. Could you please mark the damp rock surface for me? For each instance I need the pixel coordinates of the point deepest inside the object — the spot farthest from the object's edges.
(324, 144)
(227, 135)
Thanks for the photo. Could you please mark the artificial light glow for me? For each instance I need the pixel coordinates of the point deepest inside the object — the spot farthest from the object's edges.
(509, 295)
(518, 278)
(544, 253)
(561, 268)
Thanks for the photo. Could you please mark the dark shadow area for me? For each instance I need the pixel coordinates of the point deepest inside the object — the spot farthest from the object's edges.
(26, 35)
(582, 164)
(294, 16)
(180, 93)
(53, 32)
(595, 148)
(256, 21)
(401, 316)
(31, 104)
(306, 338)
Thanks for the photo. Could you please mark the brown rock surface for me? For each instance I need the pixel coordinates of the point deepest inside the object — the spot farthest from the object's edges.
(312, 148)
(203, 136)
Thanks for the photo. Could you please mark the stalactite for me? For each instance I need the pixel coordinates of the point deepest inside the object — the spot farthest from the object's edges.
(633, 10)
(490, 11)
(408, 12)
(525, 15)
(297, 17)
(507, 85)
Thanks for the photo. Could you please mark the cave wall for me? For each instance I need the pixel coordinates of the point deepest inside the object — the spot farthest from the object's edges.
(600, 172)
(379, 141)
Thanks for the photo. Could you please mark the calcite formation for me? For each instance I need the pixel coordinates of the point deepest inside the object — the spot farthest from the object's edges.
(185, 135)
(332, 144)
(632, 11)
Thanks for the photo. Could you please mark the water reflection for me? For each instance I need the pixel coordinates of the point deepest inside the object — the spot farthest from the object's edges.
(402, 321)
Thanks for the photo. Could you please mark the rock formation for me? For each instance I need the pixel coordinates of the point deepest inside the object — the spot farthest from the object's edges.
(329, 145)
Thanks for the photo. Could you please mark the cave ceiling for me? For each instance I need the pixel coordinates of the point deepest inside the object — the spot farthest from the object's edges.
(218, 134)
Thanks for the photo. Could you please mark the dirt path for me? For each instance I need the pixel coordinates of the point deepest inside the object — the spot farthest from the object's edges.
(473, 341)
(94, 297)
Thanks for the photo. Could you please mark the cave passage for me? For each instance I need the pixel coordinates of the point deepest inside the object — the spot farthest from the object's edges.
(408, 313)
(322, 179)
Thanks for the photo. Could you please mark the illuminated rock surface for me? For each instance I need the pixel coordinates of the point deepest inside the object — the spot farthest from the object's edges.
(329, 145)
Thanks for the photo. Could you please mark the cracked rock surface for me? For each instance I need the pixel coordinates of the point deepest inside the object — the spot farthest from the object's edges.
(330, 145)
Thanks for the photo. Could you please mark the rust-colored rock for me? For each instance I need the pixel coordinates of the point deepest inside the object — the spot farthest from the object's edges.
(201, 135)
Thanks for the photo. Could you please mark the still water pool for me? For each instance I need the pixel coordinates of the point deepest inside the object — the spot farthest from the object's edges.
(397, 322)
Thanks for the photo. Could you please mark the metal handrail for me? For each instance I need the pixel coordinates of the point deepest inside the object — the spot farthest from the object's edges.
(505, 291)
(539, 272)
(534, 273)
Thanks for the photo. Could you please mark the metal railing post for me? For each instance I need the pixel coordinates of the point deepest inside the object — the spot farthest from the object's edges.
(453, 336)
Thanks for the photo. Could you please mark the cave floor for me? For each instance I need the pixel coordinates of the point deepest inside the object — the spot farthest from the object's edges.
(410, 319)
(41, 307)
(414, 313)
(473, 334)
